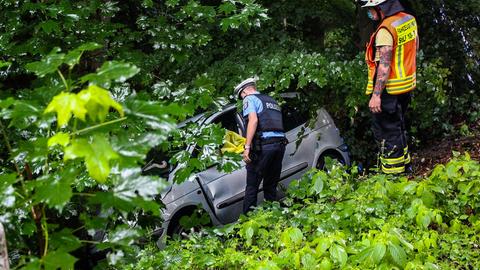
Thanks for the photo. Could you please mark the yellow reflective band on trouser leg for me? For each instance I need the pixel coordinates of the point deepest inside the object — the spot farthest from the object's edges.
(393, 165)
(392, 161)
(393, 169)
(406, 155)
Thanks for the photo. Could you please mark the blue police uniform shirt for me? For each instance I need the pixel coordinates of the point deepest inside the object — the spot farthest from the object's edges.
(251, 103)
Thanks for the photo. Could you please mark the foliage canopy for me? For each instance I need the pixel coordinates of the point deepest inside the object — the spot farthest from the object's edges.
(88, 87)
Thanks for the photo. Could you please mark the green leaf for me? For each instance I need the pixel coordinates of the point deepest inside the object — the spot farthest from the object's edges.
(338, 254)
(308, 261)
(60, 138)
(296, 235)
(108, 200)
(326, 264)
(97, 153)
(50, 26)
(24, 114)
(64, 240)
(54, 190)
(32, 264)
(65, 105)
(111, 71)
(372, 255)
(98, 101)
(227, 8)
(172, 3)
(291, 236)
(317, 187)
(378, 252)
(122, 235)
(398, 254)
(423, 218)
(249, 233)
(48, 64)
(7, 191)
(131, 184)
(58, 259)
(73, 57)
(4, 64)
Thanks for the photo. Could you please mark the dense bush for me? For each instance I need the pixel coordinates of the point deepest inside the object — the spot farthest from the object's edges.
(337, 220)
(79, 76)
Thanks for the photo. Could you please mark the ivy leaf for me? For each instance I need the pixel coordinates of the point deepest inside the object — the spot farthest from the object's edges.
(111, 71)
(97, 102)
(48, 64)
(338, 254)
(97, 153)
(58, 259)
(65, 105)
(60, 138)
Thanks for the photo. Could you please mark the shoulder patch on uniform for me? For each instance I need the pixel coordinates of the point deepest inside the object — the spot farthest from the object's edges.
(245, 104)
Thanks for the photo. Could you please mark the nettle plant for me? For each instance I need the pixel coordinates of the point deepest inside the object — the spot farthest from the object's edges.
(338, 220)
(71, 183)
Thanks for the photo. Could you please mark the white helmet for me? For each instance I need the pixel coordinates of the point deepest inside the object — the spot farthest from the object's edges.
(372, 3)
(238, 89)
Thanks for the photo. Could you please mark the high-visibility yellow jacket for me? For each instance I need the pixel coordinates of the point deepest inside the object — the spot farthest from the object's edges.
(233, 143)
(402, 78)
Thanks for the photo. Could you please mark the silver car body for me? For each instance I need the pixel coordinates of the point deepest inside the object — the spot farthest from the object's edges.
(221, 194)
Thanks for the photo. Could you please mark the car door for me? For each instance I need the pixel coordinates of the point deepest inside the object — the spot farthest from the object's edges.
(225, 191)
(301, 143)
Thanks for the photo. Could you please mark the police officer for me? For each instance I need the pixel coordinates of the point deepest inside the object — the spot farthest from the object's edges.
(265, 142)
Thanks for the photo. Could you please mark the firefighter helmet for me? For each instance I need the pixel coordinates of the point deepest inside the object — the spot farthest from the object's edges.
(372, 3)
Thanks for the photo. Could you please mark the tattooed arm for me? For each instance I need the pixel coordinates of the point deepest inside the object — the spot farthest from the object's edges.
(383, 71)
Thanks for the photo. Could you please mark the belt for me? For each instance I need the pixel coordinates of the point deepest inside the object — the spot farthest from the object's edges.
(271, 140)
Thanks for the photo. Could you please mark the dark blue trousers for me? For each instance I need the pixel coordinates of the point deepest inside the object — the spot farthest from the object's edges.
(266, 166)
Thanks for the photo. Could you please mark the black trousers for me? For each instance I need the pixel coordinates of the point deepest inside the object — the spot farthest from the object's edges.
(390, 133)
(267, 165)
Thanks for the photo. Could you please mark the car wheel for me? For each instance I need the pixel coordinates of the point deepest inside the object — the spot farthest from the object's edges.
(321, 162)
(189, 222)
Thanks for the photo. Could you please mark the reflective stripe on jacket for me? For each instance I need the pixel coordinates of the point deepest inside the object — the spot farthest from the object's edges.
(402, 78)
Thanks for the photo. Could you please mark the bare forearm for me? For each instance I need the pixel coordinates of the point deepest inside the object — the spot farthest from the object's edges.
(383, 68)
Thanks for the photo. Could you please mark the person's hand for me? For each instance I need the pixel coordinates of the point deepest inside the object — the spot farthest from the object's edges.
(375, 104)
(246, 156)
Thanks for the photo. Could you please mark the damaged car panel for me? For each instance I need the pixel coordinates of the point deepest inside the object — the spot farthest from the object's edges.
(221, 194)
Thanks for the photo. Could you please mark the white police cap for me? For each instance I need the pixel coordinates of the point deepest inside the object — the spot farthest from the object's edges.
(238, 89)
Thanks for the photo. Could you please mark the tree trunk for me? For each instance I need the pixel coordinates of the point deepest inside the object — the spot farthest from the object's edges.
(3, 250)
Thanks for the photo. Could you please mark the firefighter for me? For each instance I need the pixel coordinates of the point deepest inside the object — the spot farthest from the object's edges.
(391, 59)
(265, 142)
